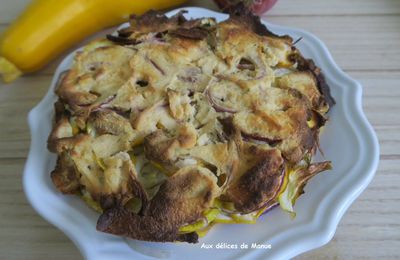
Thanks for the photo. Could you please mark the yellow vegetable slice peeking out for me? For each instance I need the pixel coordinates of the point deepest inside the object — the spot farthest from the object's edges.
(294, 183)
(209, 216)
(217, 216)
(48, 27)
(90, 201)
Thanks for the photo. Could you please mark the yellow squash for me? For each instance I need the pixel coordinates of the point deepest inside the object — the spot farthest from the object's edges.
(48, 27)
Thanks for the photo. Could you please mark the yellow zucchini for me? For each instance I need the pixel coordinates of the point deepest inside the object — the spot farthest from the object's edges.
(48, 27)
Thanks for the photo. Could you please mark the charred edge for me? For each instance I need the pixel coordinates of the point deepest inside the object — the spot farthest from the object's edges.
(241, 14)
(324, 88)
(114, 221)
(309, 65)
(153, 17)
(121, 40)
(64, 177)
(320, 119)
(148, 18)
(125, 32)
(263, 182)
(189, 237)
(60, 111)
(196, 33)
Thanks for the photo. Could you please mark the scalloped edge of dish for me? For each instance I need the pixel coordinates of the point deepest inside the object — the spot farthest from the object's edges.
(315, 233)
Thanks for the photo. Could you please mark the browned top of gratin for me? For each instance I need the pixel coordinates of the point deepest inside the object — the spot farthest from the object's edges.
(173, 125)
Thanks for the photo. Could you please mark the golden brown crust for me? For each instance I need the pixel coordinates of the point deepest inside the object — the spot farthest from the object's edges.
(109, 122)
(305, 83)
(155, 123)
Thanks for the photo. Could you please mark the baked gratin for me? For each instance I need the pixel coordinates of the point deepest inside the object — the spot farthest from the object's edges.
(171, 126)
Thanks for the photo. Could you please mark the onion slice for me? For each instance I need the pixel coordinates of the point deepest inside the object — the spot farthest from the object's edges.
(271, 142)
(216, 106)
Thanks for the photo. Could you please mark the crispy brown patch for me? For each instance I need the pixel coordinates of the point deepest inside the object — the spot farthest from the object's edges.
(259, 184)
(309, 65)
(159, 25)
(59, 145)
(180, 200)
(154, 21)
(303, 140)
(157, 22)
(64, 176)
(119, 221)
